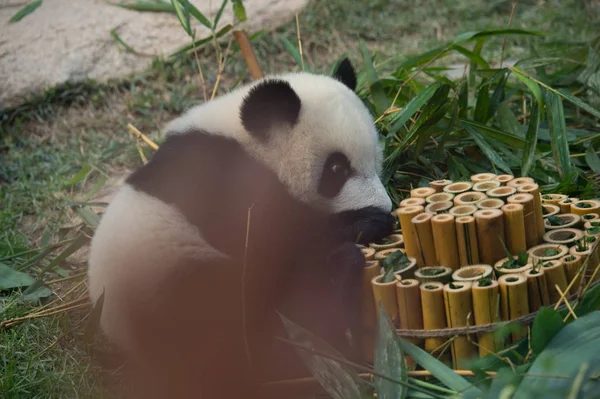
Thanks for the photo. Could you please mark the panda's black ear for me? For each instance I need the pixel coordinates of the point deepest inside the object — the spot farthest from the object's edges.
(269, 103)
(346, 74)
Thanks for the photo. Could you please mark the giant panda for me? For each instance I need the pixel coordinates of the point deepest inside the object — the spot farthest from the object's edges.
(253, 208)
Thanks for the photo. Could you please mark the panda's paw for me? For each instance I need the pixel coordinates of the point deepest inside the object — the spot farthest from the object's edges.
(370, 226)
(347, 256)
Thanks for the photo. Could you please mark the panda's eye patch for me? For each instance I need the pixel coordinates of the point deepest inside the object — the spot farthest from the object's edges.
(336, 171)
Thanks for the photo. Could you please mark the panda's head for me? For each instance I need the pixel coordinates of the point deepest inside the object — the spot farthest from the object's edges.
(320, 139)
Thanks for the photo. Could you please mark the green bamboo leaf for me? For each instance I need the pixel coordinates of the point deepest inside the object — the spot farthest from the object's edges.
(11, 278)
(467, 36)
(487, 149)
(504, 137)
(590, 301)
(147, 6)
(88, 216)
(73, 247)
(482, 106)
(239, 10)
(199, 43)
(463, 99)
(118, 40)
(379, 96)
(592, 159)
(25, 11)
(194, 12)
(508, 121)
(473, 57)
(389, 360)
(558, 134)
(38, 292)
(531, 140)
(183, 14)
(531, 84)
(80, 175)
(413, 106)
(219, 14)
(293, 52)
(546, 325)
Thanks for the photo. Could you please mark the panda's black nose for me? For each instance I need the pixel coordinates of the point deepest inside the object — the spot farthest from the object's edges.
(366, 225)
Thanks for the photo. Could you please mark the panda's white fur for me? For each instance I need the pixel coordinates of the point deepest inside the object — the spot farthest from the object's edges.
(140, 236)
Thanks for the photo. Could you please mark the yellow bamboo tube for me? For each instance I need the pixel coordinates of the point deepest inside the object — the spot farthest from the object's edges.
(490, 203)
(463, 210)
(486, 310)
(411, 243)
(368, 310)
(519, 181)
(537, 289)
(369, 253)
(483, 177)
(504, 179)
(424, 233)
(469, 198)
(563, 236)
(565, 205)
(490, 232)
(588, 254)
(528, 203)
(550, 210)
(484, 186)
(422, 192)
(584, 207)
(439, 274)
(553, 199)
(502, 192)
(546, 252)
(567, 221)
(514, 222)
(434, 313)
(444, 237)
(590, 217)
(410, 311)
(473, 273)
(439, 197)
(384, 294)
(466, 240)
(591, 224)
(534, 190)
(384, 253)
(501, 269)
(555, 275)
(514, 300)
(458, 301)
(439, 185)
(439, 207)
(572, 265)
(412, 202)
(391, 241)
(458, 187)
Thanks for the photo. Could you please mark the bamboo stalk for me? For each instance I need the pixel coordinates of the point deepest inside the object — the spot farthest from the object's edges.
(490, 203)
(368, 310)
(384, 294)
(434, 312)
(514, 300)
(424, 233)
(466, 238)
(504, 179)
(514, 221)
(411, 243)
(473, 273)
(444, 237)
(458, 187)
(529, 217)
(412, 202)
(486, 310)
(490, 230)
(534, 190)
(429, 274)
(410, 311)
(439, 197)
(469, 198)
(480, 177)
(458, 301)
(565, 205)
(484, 186)
(555, 276)
(572, 265)
(537, 289)
(519, 181)
(422, 192)
(248, 52)
(463, 210)
(439, 185)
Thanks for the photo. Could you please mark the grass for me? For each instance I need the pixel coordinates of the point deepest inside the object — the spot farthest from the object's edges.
(48, 140)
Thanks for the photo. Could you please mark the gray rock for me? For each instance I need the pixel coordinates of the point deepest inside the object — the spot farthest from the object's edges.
(69, 41)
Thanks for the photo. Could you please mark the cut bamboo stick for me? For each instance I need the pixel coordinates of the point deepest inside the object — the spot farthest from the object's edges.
(490, 203)
(439, 207)
(484, 186)
(565, 205)
(566, 236)
(422, 192)
(514, 222)
(567, 221)
(504, 179)
(439, 185)
(463, 210)
(473, 273)
(429, 274)
(424, 233)
(384, 253)
(391, 241)
(486, 310)
(555, 276)
(591, 224)
(479, 177)
(550, 210)
(589, 217)
(501, 270)
(369, 253)
(434, 313)
(537, 289)
(528, 202)
(444, 237)
(466, 239)
(411, 243)
(588, 254)
(553, 199)
(412, 202)
(439, 197)
(519, 181)
(384, 294)
(410, 311)
(546, 252)
(368, 310)
(572, 265)
(248, 52)
(458, 187)
(534, 190)
(458, 301)
(514, 300)
(502, 192)
(490, 232)
(469, 198)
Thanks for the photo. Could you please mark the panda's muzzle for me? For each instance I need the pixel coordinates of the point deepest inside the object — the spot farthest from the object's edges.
(365, 225)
